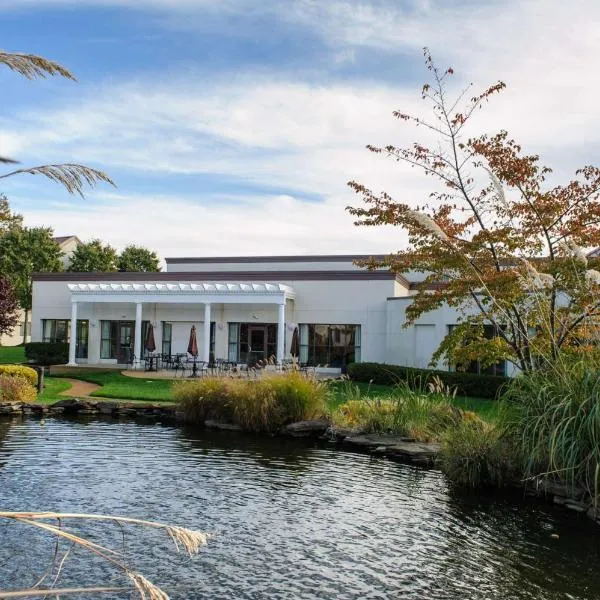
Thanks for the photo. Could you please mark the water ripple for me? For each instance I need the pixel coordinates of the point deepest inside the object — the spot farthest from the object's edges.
(292, 519)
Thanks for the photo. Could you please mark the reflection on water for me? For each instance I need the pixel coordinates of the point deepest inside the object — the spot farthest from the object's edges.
(293, 519)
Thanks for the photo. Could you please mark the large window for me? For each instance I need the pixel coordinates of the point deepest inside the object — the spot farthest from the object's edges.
(59, 330)
(329, 345)
(475, 366)
(55, 330)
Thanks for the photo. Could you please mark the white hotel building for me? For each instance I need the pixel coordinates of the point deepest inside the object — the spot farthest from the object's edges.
(244, 308)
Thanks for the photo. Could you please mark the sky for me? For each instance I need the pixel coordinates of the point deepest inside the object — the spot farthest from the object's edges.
(231, 127)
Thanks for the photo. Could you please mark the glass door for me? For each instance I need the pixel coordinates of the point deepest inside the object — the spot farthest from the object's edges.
(125, 341)
(257, 343)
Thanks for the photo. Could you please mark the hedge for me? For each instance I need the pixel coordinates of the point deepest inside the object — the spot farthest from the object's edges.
(467, 384)
(20, 371)
(47, 353)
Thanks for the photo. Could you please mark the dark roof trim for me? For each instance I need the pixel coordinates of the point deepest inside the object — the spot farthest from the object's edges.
(272, 259)
(221, 276)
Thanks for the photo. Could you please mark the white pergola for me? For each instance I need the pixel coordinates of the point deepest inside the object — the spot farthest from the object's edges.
(180, 293)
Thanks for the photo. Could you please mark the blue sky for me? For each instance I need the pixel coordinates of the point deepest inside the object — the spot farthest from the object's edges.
(232, 126)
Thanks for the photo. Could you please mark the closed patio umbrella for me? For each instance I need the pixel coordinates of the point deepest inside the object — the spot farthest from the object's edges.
(193, 349)
(295, 349)
(193, 343)
(150, 344)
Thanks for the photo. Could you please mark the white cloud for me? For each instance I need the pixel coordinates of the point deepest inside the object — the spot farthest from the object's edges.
(282, 131)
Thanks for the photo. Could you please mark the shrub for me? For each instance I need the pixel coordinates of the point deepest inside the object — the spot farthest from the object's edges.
(20, 371)
(46, 353)
(467, 384)
(264, 404)
(553, 415)
(16, 388)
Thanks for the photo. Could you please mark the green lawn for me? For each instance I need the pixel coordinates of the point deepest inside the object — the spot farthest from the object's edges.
(116, 385)
(11, 355)
(52, 388)
(486, 409)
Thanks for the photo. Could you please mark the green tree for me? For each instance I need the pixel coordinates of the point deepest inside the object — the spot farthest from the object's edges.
(8, 219)
(497, 242)
(94, 256)
(24, 251)
(138, 259)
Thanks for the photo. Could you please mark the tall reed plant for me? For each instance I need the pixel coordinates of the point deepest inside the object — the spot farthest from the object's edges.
(553, 416)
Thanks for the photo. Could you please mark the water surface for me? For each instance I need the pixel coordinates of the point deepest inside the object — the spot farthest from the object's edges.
(292, 519)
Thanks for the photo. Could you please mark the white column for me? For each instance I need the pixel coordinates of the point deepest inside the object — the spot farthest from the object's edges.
(206, 333)
(281, 334)
(137, 349)
(73, 336)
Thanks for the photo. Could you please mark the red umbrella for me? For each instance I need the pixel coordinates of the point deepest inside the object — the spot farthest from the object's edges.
(295, 349)
(150, 344)
(193, 343)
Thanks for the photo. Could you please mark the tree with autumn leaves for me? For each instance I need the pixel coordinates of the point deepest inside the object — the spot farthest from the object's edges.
(496, 240)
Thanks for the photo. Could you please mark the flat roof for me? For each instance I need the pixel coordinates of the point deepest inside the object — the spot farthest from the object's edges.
(230, 276)
(274, 259)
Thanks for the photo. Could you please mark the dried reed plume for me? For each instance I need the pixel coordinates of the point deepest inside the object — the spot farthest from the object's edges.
(536, 279)
(34, 67)
(426, 222)
(500, 195)
(593, 276)
(570, 248)
(72, 176)
(146, 589)
(190, 540)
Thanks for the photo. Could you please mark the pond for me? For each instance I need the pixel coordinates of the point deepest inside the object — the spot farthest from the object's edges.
(291, 519)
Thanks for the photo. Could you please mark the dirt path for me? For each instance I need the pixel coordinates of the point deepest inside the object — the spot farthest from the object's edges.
(80, 389)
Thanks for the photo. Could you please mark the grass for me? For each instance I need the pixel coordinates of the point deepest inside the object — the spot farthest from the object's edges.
(120, 387)
(53, 386)
(486, 409)
(11, 355)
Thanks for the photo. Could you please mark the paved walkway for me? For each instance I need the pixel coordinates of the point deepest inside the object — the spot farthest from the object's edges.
(80, 389)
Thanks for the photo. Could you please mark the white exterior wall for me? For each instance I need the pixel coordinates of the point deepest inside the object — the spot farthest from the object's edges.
(414, 346)
(358, 302)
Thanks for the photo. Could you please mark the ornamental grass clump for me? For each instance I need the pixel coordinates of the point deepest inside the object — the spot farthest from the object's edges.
(417, 414)
(475, 453)
(262, 404)
(16, 388)
(553, 416)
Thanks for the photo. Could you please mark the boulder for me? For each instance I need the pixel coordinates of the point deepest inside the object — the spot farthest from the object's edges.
(10, 409)
(397, 447)
(71, 405)
(224, 426)
(312, 428)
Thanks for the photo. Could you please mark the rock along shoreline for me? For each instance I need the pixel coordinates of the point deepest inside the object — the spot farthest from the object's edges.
(393, 447)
